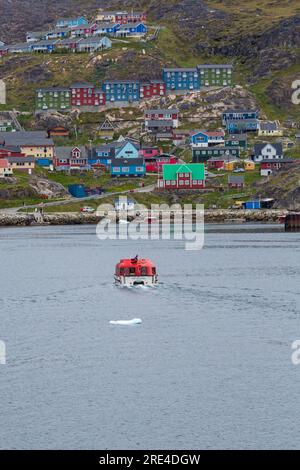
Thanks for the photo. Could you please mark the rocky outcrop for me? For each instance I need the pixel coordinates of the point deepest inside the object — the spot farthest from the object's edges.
(211, 216)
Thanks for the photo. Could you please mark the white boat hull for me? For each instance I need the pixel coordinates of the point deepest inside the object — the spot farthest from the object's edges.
(130, 281)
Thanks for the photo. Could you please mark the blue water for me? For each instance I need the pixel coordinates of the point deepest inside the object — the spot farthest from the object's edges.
(210, 366)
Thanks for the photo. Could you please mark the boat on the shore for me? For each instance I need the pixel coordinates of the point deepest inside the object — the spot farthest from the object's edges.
(135, 272)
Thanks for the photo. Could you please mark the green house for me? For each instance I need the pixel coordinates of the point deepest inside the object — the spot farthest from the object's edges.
(58, 99)
(182, 176)
(218, 75)
(239, 140)
(202, 154)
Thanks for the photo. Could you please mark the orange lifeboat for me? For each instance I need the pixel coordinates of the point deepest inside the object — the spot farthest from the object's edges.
(135, 271)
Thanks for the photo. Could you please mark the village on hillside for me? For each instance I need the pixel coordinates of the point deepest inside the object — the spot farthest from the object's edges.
(156, 141)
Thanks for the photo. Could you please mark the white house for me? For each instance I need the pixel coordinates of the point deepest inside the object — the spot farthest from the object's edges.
(267, 152)
(124, 204)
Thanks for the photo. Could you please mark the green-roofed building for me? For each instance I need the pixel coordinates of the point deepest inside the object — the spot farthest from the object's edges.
(182, 176)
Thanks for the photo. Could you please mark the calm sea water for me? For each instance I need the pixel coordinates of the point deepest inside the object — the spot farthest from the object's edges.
(210, 366)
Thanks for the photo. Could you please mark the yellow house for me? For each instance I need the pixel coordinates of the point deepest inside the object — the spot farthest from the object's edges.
(21, 163)
(249, 165)
(270, 128)
(230, 165)
(35, 144)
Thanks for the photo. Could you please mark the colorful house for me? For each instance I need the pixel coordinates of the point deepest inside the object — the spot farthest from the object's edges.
(5, 168)
(244, 125)
(203, 154)
(53, 99)
(267, 167)
(121, 90)
(107, 129)
(267, 152)
(84, 31)
(150, 152)
(86, 95)
(101, 156)
(222, 163)
(34, 36)
(59, 33)
(269, 128)
(109, 29)
(71, 158)
(72, 22)
(182, 176)
(181, 79)
(218, 75)
(159, 114)
(31, 143)
(161, 127)
(44, 47)
(238, 140)
(132, 30)
(239, 115)
(236, 181)
(155, 164)
(153, 88)
(207, 138)
(249, 165)
(58, 131)
(68, 44)
(21, 163)
(93, 44)
(130, 167)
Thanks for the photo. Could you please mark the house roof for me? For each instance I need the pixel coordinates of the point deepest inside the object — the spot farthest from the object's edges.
(61, 89)
(268, 125)
(215, 66)
(160, 123)
(240, 110)
(82, 85)
(162, 111)
(47, 42)
(281, 160)
(127, 161)
(197, 169)
(237, 137)
(277, 146)
(120, 82)
(219, 133)
(236, 179)
(130, 25)
(26, 138)
(20, 159)
(224, 158)
(65, 152)
(107, 25)
(180, 69)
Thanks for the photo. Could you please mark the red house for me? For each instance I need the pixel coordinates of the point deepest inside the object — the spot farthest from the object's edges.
(85, 94)
(71, 158)
(132, 17)
(155, 164)
(3, 51)
(84, 30)
(150, 152)
(6, 152)
(152, 89)
(153, 115)
(182, 176)
(236, 181)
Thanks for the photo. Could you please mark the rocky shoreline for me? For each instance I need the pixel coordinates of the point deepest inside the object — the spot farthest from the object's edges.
(69, 218)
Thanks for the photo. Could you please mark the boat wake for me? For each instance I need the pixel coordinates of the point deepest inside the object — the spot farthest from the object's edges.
(134, 321)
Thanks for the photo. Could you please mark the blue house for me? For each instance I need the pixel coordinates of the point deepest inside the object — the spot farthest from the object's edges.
(72, 22)
(44, 46)
(181, 79)
(238, 115)
(107, 28)
(101, 155)
(207, 138)
(121, 90)
(132, 29)
(241, 126)
(126, 149)
(131, 167)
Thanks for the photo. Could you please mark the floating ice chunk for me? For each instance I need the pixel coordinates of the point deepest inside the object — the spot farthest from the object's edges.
(134, 321)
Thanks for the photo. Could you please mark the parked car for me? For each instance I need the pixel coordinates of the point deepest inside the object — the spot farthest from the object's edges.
(87, 209)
